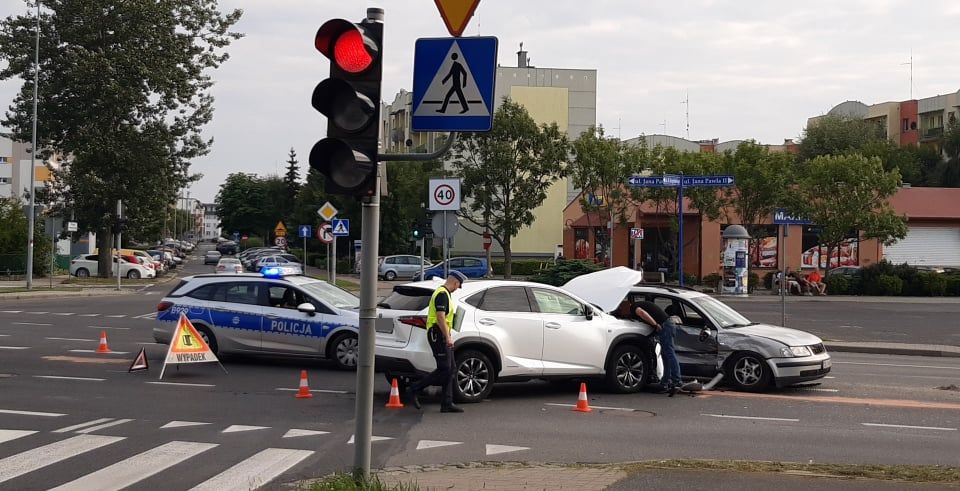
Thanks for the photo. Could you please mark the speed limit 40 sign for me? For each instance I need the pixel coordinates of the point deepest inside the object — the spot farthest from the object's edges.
(444, 194)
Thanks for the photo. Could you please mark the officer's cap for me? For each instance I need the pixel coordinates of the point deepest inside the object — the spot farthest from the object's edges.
(457, 275)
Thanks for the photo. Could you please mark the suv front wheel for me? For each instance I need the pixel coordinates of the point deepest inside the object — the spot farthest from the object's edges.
(474, 375)
(628, 369)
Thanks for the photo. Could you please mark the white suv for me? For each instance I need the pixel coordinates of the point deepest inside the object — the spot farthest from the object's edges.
(515, 331)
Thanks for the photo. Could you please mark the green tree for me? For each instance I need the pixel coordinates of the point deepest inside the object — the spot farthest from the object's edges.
(125, 91)
(949, 172)
(13, 240)
(291, 183)
(507, 171)
(835, 135)
(763, 182)
(243, 206)
(848, 193)
(408, 187)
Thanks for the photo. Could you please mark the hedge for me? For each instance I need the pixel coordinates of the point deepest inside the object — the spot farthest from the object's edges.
(886, 279)
(564, 271)
(523, 267)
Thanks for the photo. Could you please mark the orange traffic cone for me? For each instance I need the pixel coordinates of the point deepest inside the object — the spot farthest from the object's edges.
(304, 392)
(394, 402)
(582, 405)
(103, 348)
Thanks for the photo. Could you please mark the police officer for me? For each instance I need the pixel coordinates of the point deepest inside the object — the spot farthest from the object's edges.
(439, 322)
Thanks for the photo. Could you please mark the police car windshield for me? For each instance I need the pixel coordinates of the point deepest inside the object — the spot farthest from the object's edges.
(335, 296)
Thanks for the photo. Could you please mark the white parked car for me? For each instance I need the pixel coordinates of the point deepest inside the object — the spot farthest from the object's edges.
(516, 331)
(86, 266)
(229, 265)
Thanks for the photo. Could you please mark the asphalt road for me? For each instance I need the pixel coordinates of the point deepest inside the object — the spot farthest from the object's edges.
(80, 418)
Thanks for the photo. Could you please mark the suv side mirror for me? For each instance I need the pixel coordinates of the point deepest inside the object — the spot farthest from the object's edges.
(307, 308)
(588, 312)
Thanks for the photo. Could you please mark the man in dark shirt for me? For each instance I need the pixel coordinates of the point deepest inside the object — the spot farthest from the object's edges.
(666, 328)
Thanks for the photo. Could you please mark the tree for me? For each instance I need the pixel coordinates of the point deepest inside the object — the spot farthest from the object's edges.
(408, 187)
(848, 193)
(835, 135)
(243, 205)
(13, 239)
(507, 171)
(291, 183)
(124, 93)
(950, 170)
(763, 182)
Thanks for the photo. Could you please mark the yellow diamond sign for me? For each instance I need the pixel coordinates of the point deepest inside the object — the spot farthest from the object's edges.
(456, 14)
(327, 211)
(280, 230)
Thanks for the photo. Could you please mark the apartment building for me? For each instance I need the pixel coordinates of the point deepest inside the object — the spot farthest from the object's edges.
(15, 169)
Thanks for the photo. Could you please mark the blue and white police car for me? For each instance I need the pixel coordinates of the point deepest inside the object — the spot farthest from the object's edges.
(265, 314)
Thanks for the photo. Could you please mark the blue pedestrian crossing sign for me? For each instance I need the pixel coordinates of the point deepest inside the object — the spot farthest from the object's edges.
(341, 227)
(305, 231)
(453, 83)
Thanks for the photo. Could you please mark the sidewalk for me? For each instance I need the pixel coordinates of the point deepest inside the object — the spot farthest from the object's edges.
(938, 350)
(15, 290)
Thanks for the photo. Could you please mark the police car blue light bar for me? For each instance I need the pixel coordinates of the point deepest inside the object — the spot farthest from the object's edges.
(272, 272)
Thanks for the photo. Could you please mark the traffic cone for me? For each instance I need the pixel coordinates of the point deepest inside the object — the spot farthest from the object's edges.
(304, 392)
(582, 405)
(394, 402)
(103, 348)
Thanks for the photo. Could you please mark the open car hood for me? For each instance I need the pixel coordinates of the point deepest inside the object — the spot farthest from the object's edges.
(607, 288)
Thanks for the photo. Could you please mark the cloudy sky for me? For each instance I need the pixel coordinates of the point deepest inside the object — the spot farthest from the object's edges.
(753, 68)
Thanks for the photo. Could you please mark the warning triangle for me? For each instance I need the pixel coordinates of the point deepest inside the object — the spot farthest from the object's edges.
(140, 362)
(188, 346)
(456, 14)
(443, 95)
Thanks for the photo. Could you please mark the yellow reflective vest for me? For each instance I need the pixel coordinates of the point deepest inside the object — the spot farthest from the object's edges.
(432, 309)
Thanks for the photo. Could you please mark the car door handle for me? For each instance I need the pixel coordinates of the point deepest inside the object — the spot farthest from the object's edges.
(487, 322)
(271, 316)
(552, 325)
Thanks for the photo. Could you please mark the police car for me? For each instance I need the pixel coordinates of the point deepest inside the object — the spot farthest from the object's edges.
(266, 314)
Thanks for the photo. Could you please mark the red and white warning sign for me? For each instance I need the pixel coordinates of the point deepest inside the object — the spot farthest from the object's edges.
(187, 346)
(140, 362)
(444, 194)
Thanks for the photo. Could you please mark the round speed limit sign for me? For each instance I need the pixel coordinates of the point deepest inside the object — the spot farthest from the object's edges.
(444, 194)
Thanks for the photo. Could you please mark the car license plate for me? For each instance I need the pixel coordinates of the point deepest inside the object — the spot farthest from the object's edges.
(827, 363)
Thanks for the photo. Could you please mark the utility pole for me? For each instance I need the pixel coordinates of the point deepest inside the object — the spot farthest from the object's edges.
(119, 270)
(911, 72)
(31, 220)
(686, 102)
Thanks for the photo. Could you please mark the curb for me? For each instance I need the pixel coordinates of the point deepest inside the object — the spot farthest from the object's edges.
(890, 350)
(81, 293)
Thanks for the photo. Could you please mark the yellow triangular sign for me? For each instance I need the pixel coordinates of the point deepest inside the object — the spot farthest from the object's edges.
(280, 230)
(456, 14)
(187, 346)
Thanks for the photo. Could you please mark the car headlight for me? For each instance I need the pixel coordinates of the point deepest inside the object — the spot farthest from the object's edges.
(795, 351)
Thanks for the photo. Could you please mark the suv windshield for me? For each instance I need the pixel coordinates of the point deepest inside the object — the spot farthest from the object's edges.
(723, 315)
(335, 296)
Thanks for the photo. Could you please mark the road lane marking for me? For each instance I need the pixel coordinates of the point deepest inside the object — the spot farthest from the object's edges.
(909, 426)
(139, 467)
(863, 401)
(63, 313)
(61, 377)
(730, 416)
(91, 429)
(105, 327)
(151, 315)
(116, 316)
(94, 351)
(829, 378)
(72, 339)
(14, 347)
(255, 471)
(31, 413)
(239, 428)
(7, 435)
(594, 407)
(184, 384)
(88, 315)
(293, 433)
(40, 457)
(373, 438)
(37, 313)
(11, 311)
(893, 365)
(498, 449)
(813, 389)
(4, 335)
(182, 424)
(425, 444)
(319, 391)
(82, 425)
(31, 324)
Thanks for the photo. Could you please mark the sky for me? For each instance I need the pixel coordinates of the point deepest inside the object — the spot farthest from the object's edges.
(753, 69)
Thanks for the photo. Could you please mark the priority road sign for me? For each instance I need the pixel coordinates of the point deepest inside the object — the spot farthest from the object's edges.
(341, 227)
(305, 231)
(327, 211)
(325, 233)
(453, 82)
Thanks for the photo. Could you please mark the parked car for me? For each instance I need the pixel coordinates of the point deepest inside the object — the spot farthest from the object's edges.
(281, 261)
(211, 257)
(401, 266)
(227, 247)
(291, 316)
(516, 331)
(228, 265)
(86, 266)
(473, 267)
(845, 271)
(712, 337)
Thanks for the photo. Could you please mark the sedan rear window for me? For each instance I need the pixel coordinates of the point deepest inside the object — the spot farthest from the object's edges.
(407, 298)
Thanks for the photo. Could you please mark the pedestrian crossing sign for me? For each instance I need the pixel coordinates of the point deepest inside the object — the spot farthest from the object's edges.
(187, 346)
(341, 227)
(453, 84)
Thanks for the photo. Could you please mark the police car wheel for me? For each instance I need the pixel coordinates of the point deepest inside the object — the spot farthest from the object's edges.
(346, 351)
(627, 369)
(209, 339)
(474, 376)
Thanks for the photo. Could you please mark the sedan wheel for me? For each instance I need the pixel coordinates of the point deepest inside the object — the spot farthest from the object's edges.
(749, 372)
(474, 377)
(83, 273)
(133, 274)
(346, 352)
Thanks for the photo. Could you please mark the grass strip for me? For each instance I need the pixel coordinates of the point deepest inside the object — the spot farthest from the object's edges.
(346, 482)
(899, 472)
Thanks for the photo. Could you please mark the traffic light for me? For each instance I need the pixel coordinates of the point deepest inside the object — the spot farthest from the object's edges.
(417, 233)
(350, 99)
(119, 225)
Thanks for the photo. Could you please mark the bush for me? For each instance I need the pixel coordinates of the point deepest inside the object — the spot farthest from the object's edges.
(523, 267)
(712, 280)
(933, 284)
(753, 280)
(952, 285)
(889, 285)
(251, 242)
(565, 271)
(768, 280)
(838, 284)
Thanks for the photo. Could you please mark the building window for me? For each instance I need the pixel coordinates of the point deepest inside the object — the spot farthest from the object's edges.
(906, 124)
(4, 180)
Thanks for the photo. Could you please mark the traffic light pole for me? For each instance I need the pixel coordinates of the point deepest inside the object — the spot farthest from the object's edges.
(119, 270)
(370, 237)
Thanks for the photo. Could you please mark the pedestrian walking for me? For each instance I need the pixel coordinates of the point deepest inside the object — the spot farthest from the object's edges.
(666, 327)
(440, 317)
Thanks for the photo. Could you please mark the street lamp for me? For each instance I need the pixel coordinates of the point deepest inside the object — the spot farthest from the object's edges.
(31, 219)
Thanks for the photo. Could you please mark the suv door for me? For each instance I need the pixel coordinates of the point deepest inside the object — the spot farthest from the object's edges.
(505, 314)
(695, 340)
(571, 343)
(286, 329)
(234, 313)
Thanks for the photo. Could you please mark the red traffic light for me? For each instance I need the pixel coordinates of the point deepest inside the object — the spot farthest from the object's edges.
(345, 44)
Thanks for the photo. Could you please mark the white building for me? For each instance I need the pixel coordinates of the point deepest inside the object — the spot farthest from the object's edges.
(210, 229)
